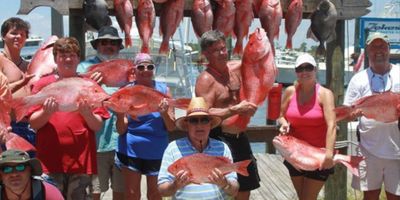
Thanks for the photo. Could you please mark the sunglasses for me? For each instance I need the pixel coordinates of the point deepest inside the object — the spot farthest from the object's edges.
(199, 120)
(16, 168)
(304, 68)
(149, 67)
(112, 42)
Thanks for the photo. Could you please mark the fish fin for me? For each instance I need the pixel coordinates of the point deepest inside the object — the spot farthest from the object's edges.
(351, 164)
(181, 103)
(238, 50)
(311, 35)
(321, 49)
(289, 43)
(20, 108)
(128, 41)
(16, 142)
(241, 167)
(164, 47)
(342, 112)
(145, 49)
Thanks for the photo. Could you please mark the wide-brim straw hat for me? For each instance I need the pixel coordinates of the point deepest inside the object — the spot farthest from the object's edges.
(17, 157)
(107, 32)
(197, 107)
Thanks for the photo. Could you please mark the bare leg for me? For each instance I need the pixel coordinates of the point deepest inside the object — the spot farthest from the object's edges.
(311, 188)
(243, 195)
(152, 190)
(132, 184)
(372, 194)
(297, 182)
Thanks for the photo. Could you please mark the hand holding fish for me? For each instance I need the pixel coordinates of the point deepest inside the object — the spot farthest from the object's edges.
(284, 129)
(244, 107)
(50, 106)
(163, 106)
(218, 178)
(327, 163)
(181, 179)
(356, 114)
(97, 77)
(84, 108)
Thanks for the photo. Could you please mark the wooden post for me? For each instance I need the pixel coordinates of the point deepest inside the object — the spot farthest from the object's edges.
(76, 29)
(57, 25)
(336, 186)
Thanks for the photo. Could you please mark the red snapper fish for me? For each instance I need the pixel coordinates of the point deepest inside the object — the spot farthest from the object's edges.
(293, 18)
(68, 92)
(303, 156)
(43, 62)
(270, 15)
(202, 16)
(140, 100)
(116, 73)
(380, 107)
(124, 14)
(243, 17)
(258, 73)
(199, 166)
(145, 20)
(170, 18)
(224, 18)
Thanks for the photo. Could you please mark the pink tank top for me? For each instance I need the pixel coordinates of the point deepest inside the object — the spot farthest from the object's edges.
(307, 121)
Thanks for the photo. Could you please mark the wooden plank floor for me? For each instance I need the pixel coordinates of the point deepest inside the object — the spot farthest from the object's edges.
(275, 181)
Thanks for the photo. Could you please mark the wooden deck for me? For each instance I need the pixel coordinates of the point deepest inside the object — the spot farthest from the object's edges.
(275, 181)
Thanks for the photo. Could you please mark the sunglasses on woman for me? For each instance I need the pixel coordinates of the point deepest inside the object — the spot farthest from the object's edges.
(199, 120)
(17, 168)
(304, 68)
(149, 67)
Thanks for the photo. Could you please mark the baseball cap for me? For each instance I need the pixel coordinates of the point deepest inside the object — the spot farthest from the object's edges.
(305, 58)
(377, 35)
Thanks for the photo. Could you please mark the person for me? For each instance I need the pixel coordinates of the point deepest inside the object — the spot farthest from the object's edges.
(66, 140)
(142, 141)
(219, 84)
(19, 178)
(197, 123)
(379, 142)
(107, 45)
(14, 32)
(307, 114)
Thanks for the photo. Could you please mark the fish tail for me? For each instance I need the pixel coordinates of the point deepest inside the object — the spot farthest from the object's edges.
(128, 41)
(16, 142)
(145, 48)
(164, 47)
(342, 112)
(237, 122)
(238, 50)
(289, 43)
(351, 162)
(321, 49)
(181, 103)
(241, 167)
(20, 107)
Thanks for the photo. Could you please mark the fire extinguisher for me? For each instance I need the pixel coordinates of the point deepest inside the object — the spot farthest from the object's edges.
(274, 103)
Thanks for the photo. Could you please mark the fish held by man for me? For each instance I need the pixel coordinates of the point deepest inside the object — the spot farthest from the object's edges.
(67, 92)
(115, 73)
(304, 156)
(140, 100)
(199, 166)
(380, 107)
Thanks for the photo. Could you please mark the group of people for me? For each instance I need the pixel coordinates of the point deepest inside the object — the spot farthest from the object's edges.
(84, 152)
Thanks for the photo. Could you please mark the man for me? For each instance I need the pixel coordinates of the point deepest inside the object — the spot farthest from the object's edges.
(14, 32)
(107, 45)
(198, 123)
(66, 140)
(17, 171)
(219, 84)
(379, 142)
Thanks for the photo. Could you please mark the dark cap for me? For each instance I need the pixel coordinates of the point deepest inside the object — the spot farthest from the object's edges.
(109, 33)
(17, 156)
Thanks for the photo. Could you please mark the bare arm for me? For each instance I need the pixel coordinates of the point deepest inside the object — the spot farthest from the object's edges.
(167, 113)
(284, 129)
(40, 118)
(121, 123)
(20, 83)
(94, 121)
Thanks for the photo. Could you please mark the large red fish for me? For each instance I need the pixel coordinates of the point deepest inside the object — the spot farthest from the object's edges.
(116, 73)
(145, 20)
(224, 17)
(202, 16)
(303, 156)
(258, 73)
(293, 18)
(68, 92)
(42, 62)
(140, 100)
(270, 15)
(243, 18)
(124, 14)
(200, 165)
(381, 107)
(170, 18)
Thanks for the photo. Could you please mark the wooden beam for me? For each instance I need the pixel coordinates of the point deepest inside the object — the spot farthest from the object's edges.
(76, 27)
(57, 24)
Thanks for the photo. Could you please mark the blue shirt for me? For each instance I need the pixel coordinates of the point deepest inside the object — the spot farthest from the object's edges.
(182, 147)
(106, 138)
(146, 137)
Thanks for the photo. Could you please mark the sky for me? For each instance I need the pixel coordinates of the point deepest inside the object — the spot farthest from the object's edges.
(39, 18)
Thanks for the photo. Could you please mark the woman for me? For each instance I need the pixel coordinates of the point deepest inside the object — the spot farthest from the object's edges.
(307, 114)
(142, 142)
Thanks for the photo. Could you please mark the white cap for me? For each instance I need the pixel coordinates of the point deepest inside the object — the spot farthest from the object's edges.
(305, 58)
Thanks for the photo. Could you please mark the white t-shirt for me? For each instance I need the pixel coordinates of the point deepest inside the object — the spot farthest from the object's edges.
(378, 138)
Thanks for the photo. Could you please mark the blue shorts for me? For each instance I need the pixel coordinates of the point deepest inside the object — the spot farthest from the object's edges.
(144, 166)
(320, 175)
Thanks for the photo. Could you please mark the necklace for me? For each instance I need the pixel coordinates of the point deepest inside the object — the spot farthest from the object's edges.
(218, 75)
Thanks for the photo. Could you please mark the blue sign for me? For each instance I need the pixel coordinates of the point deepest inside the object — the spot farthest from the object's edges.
(388, 26)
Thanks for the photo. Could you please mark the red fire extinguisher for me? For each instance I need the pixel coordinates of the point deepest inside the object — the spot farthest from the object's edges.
(274, 103)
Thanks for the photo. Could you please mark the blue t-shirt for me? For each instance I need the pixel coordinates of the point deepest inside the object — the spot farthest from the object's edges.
(146, 137)
(106, 138)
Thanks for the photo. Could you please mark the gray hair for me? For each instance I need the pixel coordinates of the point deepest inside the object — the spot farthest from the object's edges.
(210, 37)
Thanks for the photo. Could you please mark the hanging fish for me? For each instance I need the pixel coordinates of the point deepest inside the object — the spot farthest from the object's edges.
(96, 13)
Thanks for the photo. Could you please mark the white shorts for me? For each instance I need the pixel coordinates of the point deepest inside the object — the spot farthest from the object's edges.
(376, 171)
(107, 172)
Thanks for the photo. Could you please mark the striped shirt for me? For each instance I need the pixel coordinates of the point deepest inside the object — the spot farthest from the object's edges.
(183, 147)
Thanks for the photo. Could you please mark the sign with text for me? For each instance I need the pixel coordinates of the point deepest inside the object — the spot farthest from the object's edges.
(388, 26)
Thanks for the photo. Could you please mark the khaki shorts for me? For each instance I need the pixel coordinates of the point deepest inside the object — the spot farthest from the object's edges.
(376, 171)
(72, 186)
(107, 172)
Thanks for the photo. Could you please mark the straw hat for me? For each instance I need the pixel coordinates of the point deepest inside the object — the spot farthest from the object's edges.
(17, 156)
(197, 107)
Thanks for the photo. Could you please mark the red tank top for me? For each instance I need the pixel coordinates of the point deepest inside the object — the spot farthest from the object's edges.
(307, 122)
